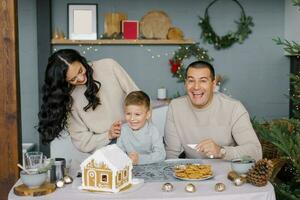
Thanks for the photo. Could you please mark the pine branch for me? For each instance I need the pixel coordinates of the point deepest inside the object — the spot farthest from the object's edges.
(296, 2)
(292, 48)
(285, 135)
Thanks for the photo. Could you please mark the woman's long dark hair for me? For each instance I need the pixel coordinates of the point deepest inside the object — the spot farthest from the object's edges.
(57, 100)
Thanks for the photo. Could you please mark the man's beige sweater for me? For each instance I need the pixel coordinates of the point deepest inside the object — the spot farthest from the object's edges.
(225, 120)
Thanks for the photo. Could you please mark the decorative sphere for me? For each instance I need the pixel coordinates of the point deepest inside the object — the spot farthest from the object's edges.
(167, 187)
(238, 181)
(190, 188)
(60, 183)
(220, 187)
(68, 179)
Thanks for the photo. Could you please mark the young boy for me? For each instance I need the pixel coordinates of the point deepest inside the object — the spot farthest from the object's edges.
(139, 138)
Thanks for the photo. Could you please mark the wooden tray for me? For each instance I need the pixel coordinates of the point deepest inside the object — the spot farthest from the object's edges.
(23, 190)
(155, 25)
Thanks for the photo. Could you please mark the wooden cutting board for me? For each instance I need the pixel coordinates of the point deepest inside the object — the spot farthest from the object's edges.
(155, 25)
(112, 22)
(23, 190)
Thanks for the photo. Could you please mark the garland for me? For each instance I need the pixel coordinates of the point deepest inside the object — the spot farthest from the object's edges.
(185, 52)
(222, 42)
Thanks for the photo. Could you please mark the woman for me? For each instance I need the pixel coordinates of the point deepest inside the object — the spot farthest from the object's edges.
(87, 100)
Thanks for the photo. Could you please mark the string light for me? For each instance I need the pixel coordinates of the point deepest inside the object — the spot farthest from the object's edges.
(86, 49)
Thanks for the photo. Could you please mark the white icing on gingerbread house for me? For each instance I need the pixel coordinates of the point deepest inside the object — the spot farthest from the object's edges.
(109, 169)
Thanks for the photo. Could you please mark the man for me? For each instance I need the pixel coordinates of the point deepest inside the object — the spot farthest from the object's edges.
(218, 125)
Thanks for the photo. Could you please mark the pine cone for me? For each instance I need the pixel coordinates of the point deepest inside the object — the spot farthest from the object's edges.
(260, 173)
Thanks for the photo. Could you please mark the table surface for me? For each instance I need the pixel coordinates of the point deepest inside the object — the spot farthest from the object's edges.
(152, 190)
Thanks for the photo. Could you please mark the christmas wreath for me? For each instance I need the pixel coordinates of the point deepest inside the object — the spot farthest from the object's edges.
(222, 42)
(185, 52)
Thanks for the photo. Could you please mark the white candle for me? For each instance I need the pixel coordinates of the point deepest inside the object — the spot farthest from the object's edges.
(162, 93)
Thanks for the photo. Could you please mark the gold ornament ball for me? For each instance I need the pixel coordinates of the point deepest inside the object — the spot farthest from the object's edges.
(60, 183)
(239, 181)
(190, 188)
(220, 187)
(68, 179)
(167, 187)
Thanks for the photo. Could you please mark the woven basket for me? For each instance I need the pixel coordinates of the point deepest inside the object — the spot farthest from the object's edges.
(269, 150)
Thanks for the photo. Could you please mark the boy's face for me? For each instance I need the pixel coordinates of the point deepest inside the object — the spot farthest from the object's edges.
(136, 116)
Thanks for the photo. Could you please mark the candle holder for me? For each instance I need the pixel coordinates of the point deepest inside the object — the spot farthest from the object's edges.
(162, 93)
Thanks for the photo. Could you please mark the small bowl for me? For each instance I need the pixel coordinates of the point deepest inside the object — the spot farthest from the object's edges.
(242, 166)
(33, 180)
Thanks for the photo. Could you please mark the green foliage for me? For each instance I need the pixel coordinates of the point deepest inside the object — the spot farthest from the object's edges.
(295, 97)
(112, 36)
(287, 191)
(223, 42)
(292, 48)
(285, 136)
(296, 2)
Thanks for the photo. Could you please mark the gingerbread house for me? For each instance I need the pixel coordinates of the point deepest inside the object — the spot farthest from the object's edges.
(109, 169)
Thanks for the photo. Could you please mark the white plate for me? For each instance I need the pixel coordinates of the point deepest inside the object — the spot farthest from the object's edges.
(193, 179)
(190, 179)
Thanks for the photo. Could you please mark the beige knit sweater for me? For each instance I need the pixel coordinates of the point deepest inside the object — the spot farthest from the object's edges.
(225, 120)
(89, 130)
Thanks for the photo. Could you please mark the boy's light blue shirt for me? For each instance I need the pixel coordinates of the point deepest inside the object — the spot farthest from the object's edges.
(147, 142)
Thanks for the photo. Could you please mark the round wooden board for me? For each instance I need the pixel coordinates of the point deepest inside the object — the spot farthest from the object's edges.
(155, 25)
(23, 190)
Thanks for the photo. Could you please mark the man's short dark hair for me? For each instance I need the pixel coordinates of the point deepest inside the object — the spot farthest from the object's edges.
(201, 64)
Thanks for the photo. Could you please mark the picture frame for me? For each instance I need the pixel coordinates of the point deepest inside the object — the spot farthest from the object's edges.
(82, 21)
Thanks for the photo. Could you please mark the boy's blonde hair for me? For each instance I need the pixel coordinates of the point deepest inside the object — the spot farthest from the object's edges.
(137, 98)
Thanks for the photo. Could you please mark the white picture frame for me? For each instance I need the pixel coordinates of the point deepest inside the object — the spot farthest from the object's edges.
(82, 21)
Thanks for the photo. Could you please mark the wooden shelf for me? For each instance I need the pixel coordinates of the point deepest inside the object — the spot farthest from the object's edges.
(122, 42)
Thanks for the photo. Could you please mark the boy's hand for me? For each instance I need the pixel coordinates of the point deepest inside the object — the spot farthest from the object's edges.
(134, 156)
(115, 130)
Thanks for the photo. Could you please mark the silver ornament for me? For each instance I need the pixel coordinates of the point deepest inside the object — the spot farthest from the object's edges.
(167, 187)
(220, 187)
(60, 183)
(68, 179)
(238, 181)
(190, 188)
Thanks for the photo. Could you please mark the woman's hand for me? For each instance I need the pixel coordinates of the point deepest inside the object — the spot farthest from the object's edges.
(115, 130)
(134, 156)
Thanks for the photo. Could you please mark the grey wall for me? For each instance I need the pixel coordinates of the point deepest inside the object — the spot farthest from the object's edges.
(28, 69)
(291, 23)
(257, 69)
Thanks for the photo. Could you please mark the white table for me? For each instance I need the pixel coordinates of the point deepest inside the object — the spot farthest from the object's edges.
(152, 190)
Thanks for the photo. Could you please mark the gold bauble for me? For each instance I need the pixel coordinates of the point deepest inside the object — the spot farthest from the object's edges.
(167, 187)
(60, 183)
(190, 188)
(220, 187)
(68, 179)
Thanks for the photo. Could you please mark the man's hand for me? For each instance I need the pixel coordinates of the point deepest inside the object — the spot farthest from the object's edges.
(209, 148)
(134, 156)
(115, 130)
